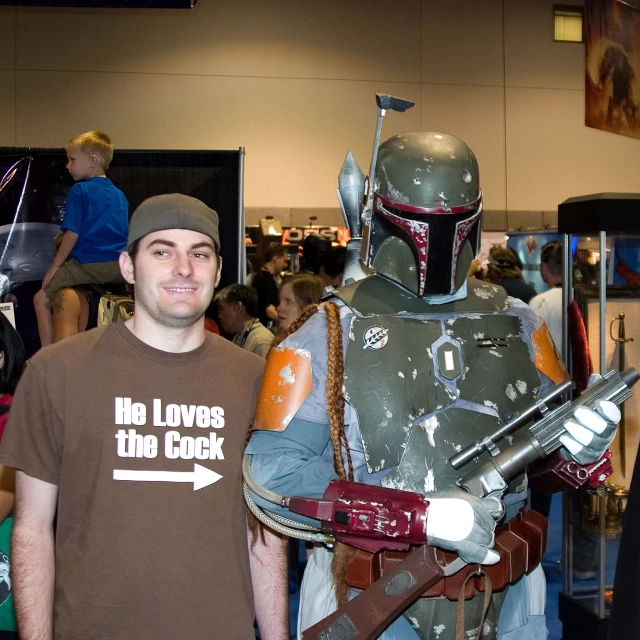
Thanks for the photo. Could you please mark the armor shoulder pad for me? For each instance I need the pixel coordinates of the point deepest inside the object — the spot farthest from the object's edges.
(285, 386)
(483, 296)
(546, 356)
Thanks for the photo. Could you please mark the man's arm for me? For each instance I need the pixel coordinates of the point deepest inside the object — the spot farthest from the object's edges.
(268, 561)
(32, 566)
(69, 240)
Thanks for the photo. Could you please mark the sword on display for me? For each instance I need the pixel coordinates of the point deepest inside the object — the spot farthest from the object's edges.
(621, 340)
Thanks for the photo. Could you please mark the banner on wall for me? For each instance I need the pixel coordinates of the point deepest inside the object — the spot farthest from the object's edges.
(626, 261)
(612, 67)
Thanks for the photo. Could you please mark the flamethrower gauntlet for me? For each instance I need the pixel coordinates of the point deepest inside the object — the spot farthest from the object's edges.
(366, 516)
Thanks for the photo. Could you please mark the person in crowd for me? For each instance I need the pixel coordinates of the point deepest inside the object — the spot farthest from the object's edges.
(332, 267)
(71, 311)
(95, 227)
(237, 309)
(12, 358)
(151, 538)
(266, 282)
(381, 397)
(477, 269)
(504, 270)
(314, 247)
(11, 364)
(296, 294)
(548, 305)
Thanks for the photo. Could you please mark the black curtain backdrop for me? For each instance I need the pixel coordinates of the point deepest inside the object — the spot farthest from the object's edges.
(211, 176)
(33, 187)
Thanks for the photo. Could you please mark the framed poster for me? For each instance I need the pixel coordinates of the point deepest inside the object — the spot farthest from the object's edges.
(612, 67)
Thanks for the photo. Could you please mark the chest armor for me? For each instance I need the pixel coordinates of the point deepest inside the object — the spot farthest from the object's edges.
(428, 380)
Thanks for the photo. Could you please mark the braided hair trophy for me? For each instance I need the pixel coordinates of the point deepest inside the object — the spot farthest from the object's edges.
(400, 421)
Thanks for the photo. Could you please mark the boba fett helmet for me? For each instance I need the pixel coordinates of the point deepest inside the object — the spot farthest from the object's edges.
(427, 203)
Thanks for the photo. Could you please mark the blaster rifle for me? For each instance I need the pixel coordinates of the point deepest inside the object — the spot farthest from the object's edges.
(369, 613)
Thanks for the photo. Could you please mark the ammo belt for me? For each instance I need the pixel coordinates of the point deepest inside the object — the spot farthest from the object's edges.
(521, 543)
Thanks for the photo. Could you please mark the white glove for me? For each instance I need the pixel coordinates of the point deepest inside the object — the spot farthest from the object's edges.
(589, 433)
(460, 522)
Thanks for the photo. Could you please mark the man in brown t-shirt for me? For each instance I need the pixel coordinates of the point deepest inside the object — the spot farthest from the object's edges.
(133, 433)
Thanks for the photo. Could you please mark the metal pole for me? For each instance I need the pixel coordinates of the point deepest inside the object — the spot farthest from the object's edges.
(374, 157)
(603, 301)
(601, 556)
(567, 283)
(603, 370)
(567, 497)
(242, 249)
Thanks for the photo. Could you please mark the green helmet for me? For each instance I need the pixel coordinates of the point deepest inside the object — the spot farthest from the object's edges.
(426, 212)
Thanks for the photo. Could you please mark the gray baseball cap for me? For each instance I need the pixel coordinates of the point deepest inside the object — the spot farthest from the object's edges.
(173, 211)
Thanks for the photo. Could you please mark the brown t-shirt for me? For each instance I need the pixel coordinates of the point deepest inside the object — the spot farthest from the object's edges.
(130, 434)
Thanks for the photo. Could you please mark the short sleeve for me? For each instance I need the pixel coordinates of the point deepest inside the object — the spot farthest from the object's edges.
(73, 208)
(535, 303)
(32, 441)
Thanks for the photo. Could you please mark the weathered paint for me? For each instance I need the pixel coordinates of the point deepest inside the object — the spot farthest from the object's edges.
(546, 355)
(286, 384)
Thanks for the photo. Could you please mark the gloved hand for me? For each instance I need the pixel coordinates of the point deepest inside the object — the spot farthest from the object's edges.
(460, 522)
(589, 433)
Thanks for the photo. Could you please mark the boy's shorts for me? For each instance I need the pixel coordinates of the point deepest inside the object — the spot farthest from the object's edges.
(72, 273)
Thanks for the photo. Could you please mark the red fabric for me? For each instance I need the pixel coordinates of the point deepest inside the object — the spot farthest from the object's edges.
(6, 399)
(580, 354)
(210, 325)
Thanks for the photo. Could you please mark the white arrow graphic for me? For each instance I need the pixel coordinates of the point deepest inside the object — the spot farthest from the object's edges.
(200, 476)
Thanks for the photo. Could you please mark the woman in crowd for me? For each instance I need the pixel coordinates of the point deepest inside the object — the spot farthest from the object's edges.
(11, 365)
(505, 270)
(296, 294)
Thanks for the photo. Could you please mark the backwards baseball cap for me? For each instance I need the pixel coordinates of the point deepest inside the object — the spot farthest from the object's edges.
(173, 211)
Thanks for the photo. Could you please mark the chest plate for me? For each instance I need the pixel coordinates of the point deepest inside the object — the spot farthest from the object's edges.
(425, 387)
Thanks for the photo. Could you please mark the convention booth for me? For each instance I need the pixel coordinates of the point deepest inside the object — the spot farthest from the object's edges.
(33, 187)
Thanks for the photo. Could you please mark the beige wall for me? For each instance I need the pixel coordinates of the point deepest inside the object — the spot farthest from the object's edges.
(293, 81)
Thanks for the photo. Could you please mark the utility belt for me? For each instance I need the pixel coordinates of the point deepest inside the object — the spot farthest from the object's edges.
(521, 543)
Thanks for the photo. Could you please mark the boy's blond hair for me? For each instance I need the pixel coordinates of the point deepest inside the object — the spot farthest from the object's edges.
(94, 143)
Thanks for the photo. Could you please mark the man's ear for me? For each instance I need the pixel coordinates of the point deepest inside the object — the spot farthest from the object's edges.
(219, 271)
(126, 267)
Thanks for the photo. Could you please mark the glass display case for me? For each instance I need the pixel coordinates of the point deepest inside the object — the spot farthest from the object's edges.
(593, 520)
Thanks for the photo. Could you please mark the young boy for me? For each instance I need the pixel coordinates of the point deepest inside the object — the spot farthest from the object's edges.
(95, 226)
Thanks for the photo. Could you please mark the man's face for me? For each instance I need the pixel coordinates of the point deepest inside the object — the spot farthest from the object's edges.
(80, 164)
(231, 316)
(175, 274)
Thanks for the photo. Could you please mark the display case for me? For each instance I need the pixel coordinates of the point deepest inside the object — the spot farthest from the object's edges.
(592, 521)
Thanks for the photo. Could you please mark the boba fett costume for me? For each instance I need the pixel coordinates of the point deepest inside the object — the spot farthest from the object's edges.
(433, 362)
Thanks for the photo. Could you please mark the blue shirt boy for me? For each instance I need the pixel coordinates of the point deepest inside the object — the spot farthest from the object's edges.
(99, 213)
